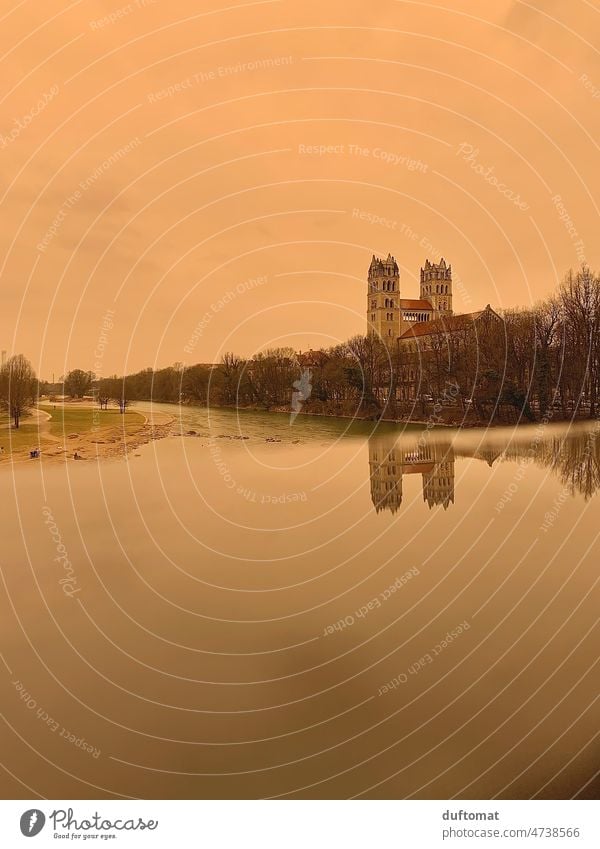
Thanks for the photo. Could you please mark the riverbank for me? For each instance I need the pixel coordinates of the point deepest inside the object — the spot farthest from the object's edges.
(78, 432)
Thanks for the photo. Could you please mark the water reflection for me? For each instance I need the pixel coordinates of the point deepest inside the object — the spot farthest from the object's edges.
(226, 643)
(390, 460)
(574, 457)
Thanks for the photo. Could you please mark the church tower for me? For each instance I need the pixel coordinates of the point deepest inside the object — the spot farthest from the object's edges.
(383, 299)
(436, 287)
(385, 473)
(438, 485)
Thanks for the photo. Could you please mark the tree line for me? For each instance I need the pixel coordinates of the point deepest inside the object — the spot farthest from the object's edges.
(532, 362)
(542, 361)
(537, 361)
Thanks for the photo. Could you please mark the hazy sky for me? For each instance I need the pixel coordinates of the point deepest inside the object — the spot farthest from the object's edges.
(219, 174)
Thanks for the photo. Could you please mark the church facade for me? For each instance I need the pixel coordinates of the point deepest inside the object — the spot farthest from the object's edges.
(389, 315)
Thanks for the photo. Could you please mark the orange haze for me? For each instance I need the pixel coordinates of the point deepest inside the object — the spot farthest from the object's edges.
(231, 167)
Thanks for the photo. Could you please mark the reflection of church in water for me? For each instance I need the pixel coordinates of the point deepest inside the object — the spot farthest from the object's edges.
(390, 460)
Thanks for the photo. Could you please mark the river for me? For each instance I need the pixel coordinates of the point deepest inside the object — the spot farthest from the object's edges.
(308, 608)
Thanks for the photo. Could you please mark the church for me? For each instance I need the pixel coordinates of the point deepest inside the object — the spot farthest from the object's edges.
(389, 315)
(418, 326)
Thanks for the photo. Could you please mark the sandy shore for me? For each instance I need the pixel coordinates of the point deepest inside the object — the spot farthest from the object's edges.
(98, 443)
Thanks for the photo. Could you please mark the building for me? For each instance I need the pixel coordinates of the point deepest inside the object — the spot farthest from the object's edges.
(390, 460)
(389, 315)
(427, 351)
(423, 328)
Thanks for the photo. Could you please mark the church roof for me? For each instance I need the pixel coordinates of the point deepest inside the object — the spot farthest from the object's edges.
(447, 324)
(421, 468)
(415, 304)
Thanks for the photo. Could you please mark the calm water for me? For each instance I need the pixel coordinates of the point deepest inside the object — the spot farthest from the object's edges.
(334, 612)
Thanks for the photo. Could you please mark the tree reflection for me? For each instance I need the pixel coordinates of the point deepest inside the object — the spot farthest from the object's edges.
(573, 457)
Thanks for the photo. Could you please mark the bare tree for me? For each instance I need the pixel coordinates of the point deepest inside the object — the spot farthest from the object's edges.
(105, 392)
(195, 383)
(78, 383)
(18, 387)
(121, 393)
(547, 320)
(580, 301)
(232, 371)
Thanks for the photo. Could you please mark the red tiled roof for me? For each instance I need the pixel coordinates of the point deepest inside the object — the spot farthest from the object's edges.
(445, 325)
(411, 304)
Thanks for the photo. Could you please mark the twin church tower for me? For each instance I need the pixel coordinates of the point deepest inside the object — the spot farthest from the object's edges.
(390, 316)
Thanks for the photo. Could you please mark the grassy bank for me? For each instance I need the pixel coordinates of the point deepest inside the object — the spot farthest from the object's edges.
(65, 423)
(66, 420)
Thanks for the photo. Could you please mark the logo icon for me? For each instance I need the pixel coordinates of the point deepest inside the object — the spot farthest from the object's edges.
(32, 822)
(304, 387)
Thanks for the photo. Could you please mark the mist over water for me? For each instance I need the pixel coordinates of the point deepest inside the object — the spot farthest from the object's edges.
(321, 609)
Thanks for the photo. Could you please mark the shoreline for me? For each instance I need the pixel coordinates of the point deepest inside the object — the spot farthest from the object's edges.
(100, 442)
(523, 422)
(116, 441)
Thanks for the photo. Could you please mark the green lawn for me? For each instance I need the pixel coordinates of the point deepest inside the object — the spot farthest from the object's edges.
(65, 420)
(16, 440)
(75, 419)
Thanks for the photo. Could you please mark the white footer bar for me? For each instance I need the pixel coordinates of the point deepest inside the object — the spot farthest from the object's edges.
(301, 824)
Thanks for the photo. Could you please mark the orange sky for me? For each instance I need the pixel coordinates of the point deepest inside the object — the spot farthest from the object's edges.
(218, 174)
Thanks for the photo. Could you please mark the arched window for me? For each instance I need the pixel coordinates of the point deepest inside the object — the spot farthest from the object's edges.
(389, 332)
(391, 302)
